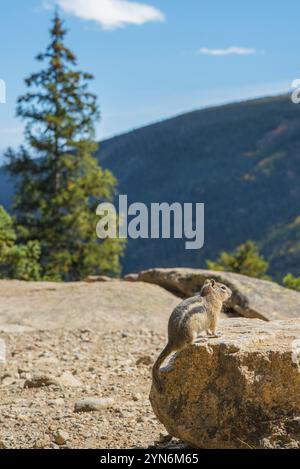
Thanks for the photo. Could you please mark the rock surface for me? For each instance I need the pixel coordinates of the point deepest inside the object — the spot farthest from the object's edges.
(106, 305)
(93, 404)
(42, 415)
(252, 298)
(237, 391)
(71, 342)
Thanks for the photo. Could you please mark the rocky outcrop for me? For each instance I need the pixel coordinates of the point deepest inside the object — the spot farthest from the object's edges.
(252, 298)
(100, 305)
(237, 391)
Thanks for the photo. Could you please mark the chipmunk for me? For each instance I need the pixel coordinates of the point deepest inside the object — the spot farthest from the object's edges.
(191, 317)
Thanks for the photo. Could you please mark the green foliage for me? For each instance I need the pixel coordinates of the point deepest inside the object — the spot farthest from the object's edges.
(24, 263)
(17, 261)
(245, 260)
(57, 193)
(7, 232)
(292, 282)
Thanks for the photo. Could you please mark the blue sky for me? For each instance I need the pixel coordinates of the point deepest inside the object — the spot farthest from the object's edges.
(153, 59)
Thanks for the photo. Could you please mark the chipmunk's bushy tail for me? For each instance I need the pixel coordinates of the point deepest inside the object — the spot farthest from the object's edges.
(155, 370)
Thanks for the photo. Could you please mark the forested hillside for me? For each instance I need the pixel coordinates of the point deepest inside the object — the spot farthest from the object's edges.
(241, 160)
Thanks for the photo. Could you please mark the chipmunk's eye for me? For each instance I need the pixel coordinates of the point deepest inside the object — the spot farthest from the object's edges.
(223, 288)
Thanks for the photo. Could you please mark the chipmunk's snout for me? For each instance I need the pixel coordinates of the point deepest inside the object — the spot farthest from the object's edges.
(229, 295)
(226, 291)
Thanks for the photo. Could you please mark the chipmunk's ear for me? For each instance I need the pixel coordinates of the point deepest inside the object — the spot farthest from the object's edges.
(212, 282)
(205, 288)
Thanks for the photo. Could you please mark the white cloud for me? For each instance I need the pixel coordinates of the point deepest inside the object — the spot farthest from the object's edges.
(227, 51)
(112, 14)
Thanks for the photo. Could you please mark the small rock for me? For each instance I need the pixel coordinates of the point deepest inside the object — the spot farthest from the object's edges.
(120, 413)
(131, 278)
(41, 443)
(86, 435)
(8, 381)
(24, 369)
(59, 402)
(93, 404)
(26, 376)
(78, 356)
(67, 379)
(46, 354)
(61, 437)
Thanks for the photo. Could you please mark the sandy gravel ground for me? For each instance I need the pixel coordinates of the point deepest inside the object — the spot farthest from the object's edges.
(65, 343)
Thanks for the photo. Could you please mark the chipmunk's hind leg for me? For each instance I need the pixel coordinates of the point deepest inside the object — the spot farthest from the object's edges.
(198, 339)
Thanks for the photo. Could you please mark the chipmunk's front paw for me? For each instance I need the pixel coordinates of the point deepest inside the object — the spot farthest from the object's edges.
(214, 335)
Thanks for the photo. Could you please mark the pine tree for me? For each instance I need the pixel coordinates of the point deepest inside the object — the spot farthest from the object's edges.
(59, 182)
(245, 260)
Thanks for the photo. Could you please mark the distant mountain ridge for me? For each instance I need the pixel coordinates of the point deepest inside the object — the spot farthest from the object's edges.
(242, 160)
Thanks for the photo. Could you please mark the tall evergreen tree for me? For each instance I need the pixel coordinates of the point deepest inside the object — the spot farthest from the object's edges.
(59, 182)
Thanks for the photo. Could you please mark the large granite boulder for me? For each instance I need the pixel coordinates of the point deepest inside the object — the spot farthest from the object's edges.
(238, 391)
(252, 298)
(98, 305)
